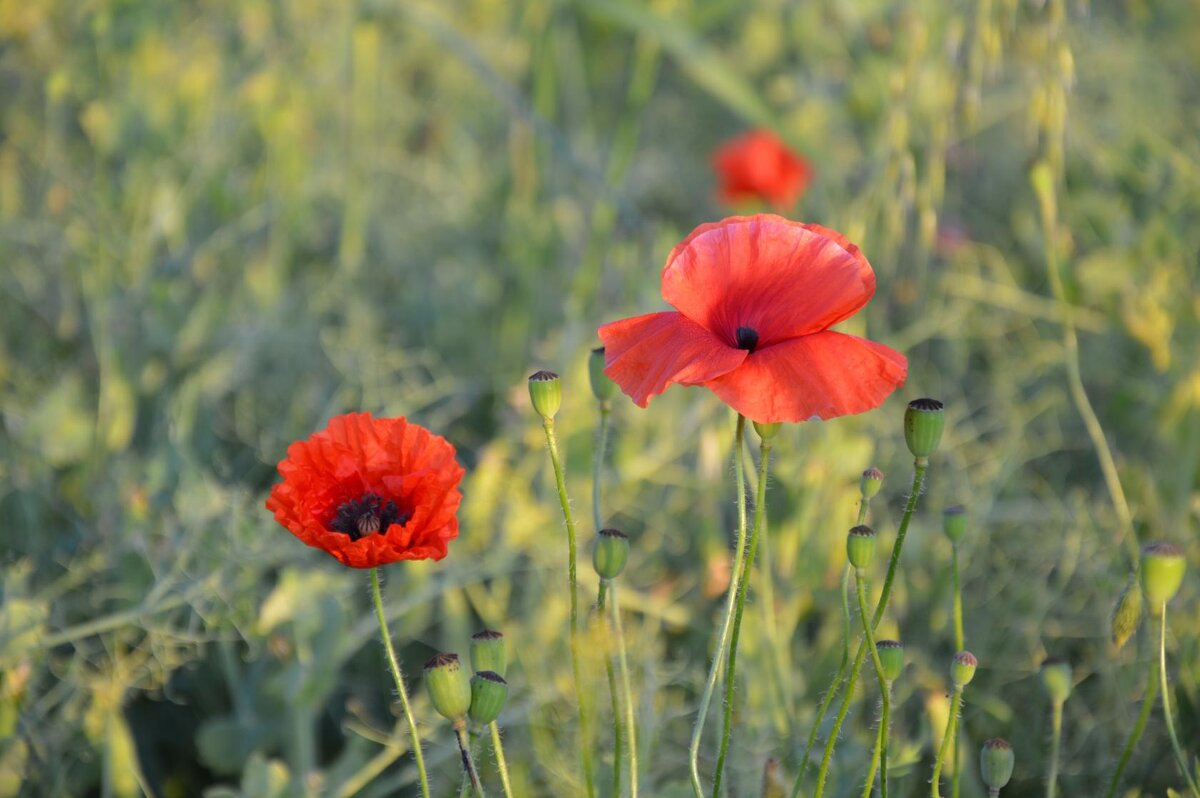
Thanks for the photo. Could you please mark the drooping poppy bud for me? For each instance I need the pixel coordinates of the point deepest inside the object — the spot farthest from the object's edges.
(923, 424)
(488, 652)
(603, 388)
(963, 669)
(996, 761)
(545, 392)
(860, 546)
(1127, 614)
(954, 523)
(1056, 679)
(891, 657)
(1162, 573)
(871, 482)
(489, 691)
(611, 553)
(449, 686)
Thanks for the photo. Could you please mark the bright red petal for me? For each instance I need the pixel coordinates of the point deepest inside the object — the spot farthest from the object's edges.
(645, 354)
(783, 279)
(824, 375)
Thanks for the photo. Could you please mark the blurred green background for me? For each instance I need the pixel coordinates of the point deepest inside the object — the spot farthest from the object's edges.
(223, 222)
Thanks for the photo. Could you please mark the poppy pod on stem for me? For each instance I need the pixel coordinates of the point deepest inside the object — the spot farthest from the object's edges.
(755, 298)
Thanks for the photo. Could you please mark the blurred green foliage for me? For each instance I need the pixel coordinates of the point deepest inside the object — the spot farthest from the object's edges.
(221, 223)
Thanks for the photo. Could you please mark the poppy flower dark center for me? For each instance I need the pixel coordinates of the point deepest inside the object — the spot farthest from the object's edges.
(747, 338)
(366, 516)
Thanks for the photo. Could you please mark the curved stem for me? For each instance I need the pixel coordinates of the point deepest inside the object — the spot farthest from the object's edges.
(501, 762)
(1164, 688)
(910, 507)
(880, 737)
(714, 669)
(1151, 693)
(623, 669)
(1055, 743)
(614, 695)
(468, 761)
(394, 666)
(869, 636)
(584, 718)
(951, 726)
(760, 501)
(960, 644)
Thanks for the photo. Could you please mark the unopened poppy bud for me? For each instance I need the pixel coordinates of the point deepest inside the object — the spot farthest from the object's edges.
(611, 553)
(488, 652)
(871, 482)
(603, 388)
(1162, 573)
(963, 669)
(489, 691)
(891, 657)
(996, 762)
(449, 686)
(954, 522)
(767, 431)
(860, 546)
(1127, 614)
(1056, 679)
(923, 424)
(545, 392)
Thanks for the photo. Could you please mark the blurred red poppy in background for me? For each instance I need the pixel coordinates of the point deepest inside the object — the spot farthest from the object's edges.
(757, 165)
(370, 491)
(755, 297)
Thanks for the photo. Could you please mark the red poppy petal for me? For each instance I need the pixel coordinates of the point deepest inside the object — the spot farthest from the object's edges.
(783, 279)
(645, 354)
(823, 375)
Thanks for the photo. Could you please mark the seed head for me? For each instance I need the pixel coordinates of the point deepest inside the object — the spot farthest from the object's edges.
(996, 761)
(611, 553)
(871, 482)
(963, 669)
(448, 685)
(545, 392)
(923, 424)
(603, 388)
(488, 652)
(954, 523)
(1056, 679)
(489, 691)
(891, 657)
(1162, 573)
(860, 546)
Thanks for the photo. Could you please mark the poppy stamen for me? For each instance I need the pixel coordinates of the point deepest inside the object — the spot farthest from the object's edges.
(366, 516)
(747, 338)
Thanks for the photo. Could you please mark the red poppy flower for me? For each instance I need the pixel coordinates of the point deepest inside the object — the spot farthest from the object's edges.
(755, 297)
(370, 491)
(757, 165)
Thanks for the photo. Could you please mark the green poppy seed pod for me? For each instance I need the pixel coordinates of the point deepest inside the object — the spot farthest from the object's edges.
(891, 657)
(545, 392)
(954, 523)
(611, 553)
(449, 686)
(1056, 679)
(488, 652)
(767, 431)
(923, 424)
(489, 691)
(1127, 614)
(996, 762)
(1162, 573)
(860, 546)
(603, 388)
(871, 482)
(963, 669)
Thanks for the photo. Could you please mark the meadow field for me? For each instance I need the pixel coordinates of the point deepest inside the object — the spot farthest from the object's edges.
(224, 223)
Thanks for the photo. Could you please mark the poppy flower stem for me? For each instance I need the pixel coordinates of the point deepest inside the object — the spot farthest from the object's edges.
(944, 749)
(613, 692)
(959, 645)
(623, 670)
(920, 466)
(760, 501)
(1164, 690)
(468, 761)
(394, 665)
(884, 690)
(584, 714)
(1151, 693)
(501, 762)
(714, 669)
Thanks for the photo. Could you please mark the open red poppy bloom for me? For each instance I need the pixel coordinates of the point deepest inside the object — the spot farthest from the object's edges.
(757, 165)
(370, 491)
(755, 297)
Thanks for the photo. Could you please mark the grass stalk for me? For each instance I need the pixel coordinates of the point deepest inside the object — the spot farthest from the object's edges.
(1164, 689)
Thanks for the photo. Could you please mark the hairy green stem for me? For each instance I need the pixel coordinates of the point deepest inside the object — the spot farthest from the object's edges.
(880, 735)
(623, 669)
(501, 762)
(869, 636)
(394, 666)
(613, 693)
(959, 645)
(951, 727)
(1164, 689)
(760, 501)
(468, 761)
(1055, 743)
(714, 670)
(584, 715)
(1151, 693)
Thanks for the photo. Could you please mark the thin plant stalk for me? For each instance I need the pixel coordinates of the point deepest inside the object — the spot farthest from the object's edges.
(468, 761)
(623, 670)
(1150, 694)
(598, 520)
(760, 501)
(1055, 745)
(869, 636)
(1164, 689)
(598, 464)
(831, 693)
(918, 480)
(951, 728)
(501, 762)
(394, 666)
(584, 715)
(714, 670)
(960, 644)
(880, 736)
